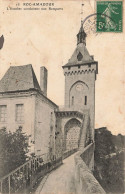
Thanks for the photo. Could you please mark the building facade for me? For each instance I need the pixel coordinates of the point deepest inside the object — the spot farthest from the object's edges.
(24, 103)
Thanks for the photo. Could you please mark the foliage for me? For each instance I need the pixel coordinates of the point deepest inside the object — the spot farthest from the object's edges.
(13, 149)
(109, 161)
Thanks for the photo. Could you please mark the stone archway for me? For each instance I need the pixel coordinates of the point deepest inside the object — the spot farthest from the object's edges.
(72, 134)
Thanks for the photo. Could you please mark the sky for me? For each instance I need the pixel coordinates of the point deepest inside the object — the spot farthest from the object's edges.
(48, 38)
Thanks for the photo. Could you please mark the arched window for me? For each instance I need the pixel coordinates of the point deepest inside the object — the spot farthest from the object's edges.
(77, 94)
(79, 56)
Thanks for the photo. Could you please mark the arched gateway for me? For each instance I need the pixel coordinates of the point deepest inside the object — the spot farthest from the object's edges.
(72, 133)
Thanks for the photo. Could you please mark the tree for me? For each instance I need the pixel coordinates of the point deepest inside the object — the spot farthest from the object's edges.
(109, 163)
(13, 150)
(103, 142)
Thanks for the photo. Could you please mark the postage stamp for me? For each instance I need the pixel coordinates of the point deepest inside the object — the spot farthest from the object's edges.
(109, 18)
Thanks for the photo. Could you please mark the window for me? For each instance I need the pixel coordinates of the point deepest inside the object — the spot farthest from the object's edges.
(85, 100)
(79, 56)
(72, 100)
(3, 113)
(19, 112)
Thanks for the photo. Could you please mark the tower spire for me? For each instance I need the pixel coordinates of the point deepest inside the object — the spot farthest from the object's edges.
(82, 11)
(81, 36)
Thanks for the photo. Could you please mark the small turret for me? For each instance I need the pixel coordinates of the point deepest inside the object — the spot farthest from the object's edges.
(81, 36)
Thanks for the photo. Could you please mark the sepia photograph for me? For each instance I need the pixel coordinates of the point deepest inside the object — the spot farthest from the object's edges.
(62, 97)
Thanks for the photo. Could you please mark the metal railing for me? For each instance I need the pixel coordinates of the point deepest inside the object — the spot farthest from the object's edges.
(25, 176)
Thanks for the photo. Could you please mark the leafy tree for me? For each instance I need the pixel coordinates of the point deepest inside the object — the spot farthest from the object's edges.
(109, 163)
(13, 150)
(103, 142)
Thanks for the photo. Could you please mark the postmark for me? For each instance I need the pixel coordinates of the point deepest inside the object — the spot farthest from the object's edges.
(91, 21)
(109, 17)
(89, 24)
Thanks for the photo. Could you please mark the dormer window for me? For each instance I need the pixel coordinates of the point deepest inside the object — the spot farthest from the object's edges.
(79, 56)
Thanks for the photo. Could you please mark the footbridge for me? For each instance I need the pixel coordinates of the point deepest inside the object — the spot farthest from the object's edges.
(73, 176)
(70, 172)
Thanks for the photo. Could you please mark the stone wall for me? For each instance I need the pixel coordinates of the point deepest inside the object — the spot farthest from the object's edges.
(73, 78)
(11, 100)
(45, 123)
(38, 119)
(85, 182)
(58, 138)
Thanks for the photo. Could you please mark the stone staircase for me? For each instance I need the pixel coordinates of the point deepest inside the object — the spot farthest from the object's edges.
(83, 132)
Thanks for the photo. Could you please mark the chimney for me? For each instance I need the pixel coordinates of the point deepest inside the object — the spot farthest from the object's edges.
(43, 80)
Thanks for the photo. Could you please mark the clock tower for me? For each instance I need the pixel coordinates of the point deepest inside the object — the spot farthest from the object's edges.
(80, 76)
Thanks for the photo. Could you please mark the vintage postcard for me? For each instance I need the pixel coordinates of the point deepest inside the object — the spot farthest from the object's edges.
(62, 96)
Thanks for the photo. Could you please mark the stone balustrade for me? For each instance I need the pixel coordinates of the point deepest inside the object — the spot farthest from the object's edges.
(85, 182)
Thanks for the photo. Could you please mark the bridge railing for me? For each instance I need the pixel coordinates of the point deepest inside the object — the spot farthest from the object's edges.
(25, 176)
(85, 182)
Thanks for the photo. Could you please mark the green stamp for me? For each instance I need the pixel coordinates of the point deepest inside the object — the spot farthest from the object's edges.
(109, 16)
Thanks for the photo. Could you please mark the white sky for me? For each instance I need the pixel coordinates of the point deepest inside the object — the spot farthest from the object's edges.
(48, 38)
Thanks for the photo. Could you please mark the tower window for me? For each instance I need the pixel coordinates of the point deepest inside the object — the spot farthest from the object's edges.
(72, 100)
(85, 103)
(79, 56)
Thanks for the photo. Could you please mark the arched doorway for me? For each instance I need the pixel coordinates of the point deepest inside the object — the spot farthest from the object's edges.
(71, 134)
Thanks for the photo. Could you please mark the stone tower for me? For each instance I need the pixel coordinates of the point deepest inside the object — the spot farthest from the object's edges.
(80, 75)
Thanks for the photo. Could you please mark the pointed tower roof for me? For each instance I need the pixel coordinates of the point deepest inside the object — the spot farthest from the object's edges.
(81, 55)
(81, 36)
(19, 78)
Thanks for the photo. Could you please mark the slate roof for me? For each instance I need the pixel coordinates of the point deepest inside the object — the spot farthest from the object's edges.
(19, 78)
(85, 56)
